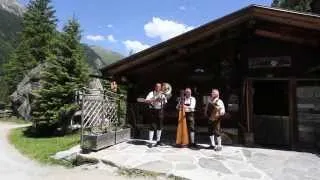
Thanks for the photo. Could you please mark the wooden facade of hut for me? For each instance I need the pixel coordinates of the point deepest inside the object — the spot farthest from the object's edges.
(265, 61)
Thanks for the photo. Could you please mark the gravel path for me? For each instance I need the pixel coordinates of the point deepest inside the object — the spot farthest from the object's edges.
(15, 166)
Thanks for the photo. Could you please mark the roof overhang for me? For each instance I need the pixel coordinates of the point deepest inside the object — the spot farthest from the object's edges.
(287, 17)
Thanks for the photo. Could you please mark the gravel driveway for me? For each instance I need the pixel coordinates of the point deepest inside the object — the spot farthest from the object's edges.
(15, 166)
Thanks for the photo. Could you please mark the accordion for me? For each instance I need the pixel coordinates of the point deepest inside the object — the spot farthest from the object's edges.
(213, 111)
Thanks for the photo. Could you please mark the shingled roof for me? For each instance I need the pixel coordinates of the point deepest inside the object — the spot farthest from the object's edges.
(288, 17)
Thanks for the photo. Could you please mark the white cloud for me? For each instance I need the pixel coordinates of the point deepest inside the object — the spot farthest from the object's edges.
(95, 37)
(135, 46)
(165, 29)
(182, 8)
(110, 26)
(111, 38)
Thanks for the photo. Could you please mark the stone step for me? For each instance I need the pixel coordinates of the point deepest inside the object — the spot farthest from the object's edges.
(169, 136)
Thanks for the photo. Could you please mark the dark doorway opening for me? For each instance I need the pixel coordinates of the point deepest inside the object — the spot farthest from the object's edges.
(271, 112)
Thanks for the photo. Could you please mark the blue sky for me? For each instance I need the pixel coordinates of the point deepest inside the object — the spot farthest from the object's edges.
(124, 25)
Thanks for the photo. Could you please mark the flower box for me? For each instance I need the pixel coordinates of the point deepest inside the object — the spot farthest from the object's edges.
(95, 142)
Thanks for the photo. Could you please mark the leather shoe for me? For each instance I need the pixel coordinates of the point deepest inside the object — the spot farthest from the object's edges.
(159, 143)
(150, 145)
(218, 148)
(193, 145)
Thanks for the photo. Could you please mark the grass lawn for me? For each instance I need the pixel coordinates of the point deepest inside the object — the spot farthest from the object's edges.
(41, 148)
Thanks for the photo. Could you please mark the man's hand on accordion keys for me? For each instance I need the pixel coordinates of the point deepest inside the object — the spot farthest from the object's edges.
(150, 101)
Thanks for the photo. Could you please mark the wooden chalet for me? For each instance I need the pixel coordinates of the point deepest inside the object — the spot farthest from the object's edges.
(265, 61)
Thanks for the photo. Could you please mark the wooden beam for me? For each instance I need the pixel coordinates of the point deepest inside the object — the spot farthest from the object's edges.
(180, 53)
(283, 37)
(289, 29)
(283, 17)
(191, 50)
(163, 60)
(188, 38)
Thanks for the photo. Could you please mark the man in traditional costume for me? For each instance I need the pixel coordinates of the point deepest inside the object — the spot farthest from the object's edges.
(156, 100)
(114, 86)
(188, 103)
(214, 110)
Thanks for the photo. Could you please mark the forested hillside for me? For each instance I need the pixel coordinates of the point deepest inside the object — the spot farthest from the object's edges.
(10, 27)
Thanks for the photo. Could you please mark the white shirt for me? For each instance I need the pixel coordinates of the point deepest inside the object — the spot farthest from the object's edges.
(153, 95)
(219, 103)
(191, 100)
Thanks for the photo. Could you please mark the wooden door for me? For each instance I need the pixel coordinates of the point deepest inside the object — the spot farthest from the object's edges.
(271, 112)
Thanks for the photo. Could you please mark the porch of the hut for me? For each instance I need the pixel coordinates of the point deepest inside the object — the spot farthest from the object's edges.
(265, 62)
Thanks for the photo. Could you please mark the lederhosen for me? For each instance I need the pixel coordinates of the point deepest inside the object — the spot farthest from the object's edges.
(156, 118)
(214, 123)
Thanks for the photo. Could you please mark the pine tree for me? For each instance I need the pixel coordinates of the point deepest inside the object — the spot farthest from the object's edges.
(64, 72)
(297, 5)
(39, 28)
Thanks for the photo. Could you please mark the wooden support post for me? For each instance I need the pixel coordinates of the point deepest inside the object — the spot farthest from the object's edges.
(293, 129)
(248, 114)
(249, 105)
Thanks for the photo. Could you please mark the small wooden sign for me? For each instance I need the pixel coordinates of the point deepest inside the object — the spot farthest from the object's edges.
(308, 92)
(269, 62)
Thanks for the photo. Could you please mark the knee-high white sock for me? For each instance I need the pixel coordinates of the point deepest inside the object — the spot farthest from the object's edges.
(192, 137)
(151, 135)
(219, 140)
(212, 140)
(158, 135)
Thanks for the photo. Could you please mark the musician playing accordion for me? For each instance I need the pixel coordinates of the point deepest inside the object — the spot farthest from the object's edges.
(214, 110)
(156, 100)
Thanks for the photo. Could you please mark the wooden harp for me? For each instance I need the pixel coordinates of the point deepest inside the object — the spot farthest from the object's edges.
(182, 129)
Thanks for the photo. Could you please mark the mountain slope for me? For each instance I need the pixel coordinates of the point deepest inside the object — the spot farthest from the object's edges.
(12, 6)
(98, 57)
(107, 56)
(10, 26)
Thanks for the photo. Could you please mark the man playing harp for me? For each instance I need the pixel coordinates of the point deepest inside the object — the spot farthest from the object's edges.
(187, 103)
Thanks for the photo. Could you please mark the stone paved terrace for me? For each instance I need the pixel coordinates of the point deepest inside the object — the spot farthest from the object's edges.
(231, 163)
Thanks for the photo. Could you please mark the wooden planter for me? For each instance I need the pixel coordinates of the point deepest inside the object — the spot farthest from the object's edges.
(100, 141)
